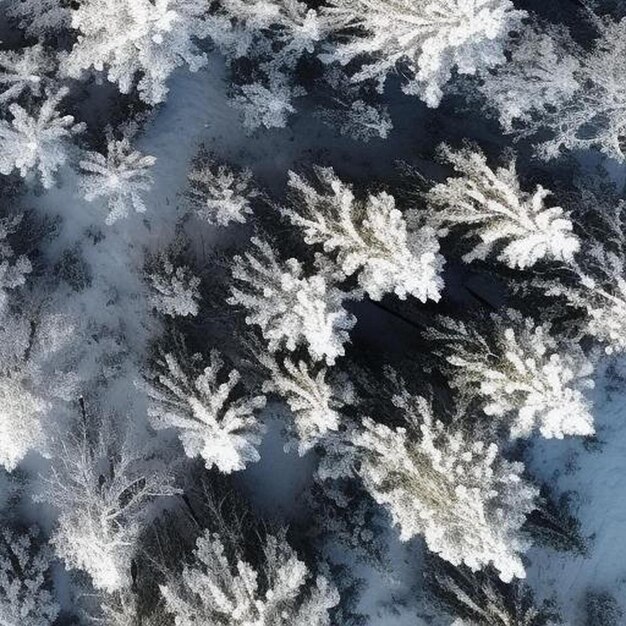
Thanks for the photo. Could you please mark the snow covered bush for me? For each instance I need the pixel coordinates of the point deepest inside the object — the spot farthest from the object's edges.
(24, 71)
(222, 588)
(212, 420)
(524, 376)
(38, 142)
(175, 290)
(493, 208)
(218, 194)
(313, 400)
(25, 598)
(368, 237)
(119, 178)
(291, 309)
(430, 39)
(130, 39)
(101, 485)
(465, 499)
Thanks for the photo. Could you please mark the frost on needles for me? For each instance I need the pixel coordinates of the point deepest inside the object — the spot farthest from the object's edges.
(368, 237)
(197, 401)
(489, 205)
(220, 590)
(467, 501)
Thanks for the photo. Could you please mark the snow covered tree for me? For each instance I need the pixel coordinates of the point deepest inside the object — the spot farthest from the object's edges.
(369, 237)
(481, 599)
(47, 354)
(217, 194)
(524, 376)
(493, 209)
(354, 108)
(24, 71)
(541, 74)
(273, 36)
(13, 269)
(222, 589)
(430, 39)
(20, 427)
(595, 284)
(290, 308)
(465, 499)
(266, 106)
(37, 142)
(25, 599)
(23, 407)
(313, 400)
(101, 483)
(552, 84)
(174, 290)
(131, 38)
(20, 420)
(594, 115)
(40, 18)
(360, 121)
(119, 608)
(212, 419)
(288, 28)
(119, 178)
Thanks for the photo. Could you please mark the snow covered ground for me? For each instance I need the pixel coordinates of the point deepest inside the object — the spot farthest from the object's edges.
(594, 474)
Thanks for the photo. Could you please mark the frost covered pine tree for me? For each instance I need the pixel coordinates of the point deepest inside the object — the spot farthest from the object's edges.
(430, 39)
(119, 178)
(360, 121)
(174, 290)
(524, 376)
(481, 599)
(25, 597)
(40, 18)
(491, 206)
(222, 588)
(290, 308)
(137, 38)
(368, 237)
(213, 420)
(541, 74)
(273, 36)
(595, 283)
(38, 142)
(101, 484)
(313, 400)
(577, 95)
(267, 106)
(21, 408)
(24, 71)
(467, 501)
(217, 194)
